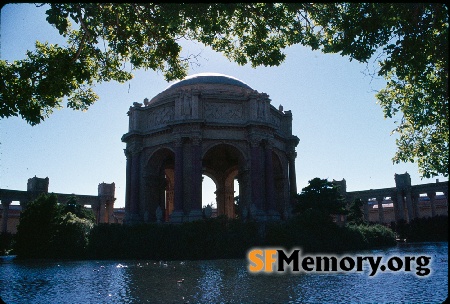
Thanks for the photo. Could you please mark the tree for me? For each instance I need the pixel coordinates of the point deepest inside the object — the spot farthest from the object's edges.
(410, 42)
(356, 213)
(71, 236)
(37, 226)
(320, 195)
(47, 230)
(78, 210)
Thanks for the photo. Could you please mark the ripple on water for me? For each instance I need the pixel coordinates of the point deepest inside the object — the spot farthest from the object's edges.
(216, 281)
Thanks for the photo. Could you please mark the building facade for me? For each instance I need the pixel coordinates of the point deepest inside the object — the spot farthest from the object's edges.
(404, 202)
(213, 125)
(102, 205)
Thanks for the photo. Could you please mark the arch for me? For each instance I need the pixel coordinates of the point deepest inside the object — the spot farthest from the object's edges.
(207, 146)
(158, 182)
(222, 163)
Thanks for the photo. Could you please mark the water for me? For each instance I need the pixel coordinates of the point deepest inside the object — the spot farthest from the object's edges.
(219, 281)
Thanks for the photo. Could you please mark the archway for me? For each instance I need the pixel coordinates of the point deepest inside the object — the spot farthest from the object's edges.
(159, 181)
(222, 163)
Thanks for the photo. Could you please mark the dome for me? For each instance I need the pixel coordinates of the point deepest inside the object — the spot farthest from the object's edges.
(200, 79)
(209, 78)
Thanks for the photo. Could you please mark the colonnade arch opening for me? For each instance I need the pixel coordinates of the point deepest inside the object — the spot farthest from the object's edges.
(221, 167)
(159, 180)
(209, 195)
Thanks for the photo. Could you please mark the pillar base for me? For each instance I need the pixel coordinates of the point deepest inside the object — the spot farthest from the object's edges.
(287, 213)
(195, 215)
(273, 215)
(176, 216)
(259, 216)
(132, 219)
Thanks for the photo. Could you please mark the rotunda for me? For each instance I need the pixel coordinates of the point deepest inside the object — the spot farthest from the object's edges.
(215, 125)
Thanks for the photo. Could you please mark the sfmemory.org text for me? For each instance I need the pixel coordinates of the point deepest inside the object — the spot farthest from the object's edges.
(272, 260)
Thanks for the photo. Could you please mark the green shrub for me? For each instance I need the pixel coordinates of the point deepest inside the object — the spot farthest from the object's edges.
(428, 229)
(46, 230)
(6, 243)
(206, 239)
(71, 237)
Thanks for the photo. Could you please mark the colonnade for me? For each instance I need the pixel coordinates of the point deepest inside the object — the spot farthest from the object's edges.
(102, 205)
(406, 198)
(266, 179)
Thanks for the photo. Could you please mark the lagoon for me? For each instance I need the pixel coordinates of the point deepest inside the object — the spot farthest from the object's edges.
(219, 281)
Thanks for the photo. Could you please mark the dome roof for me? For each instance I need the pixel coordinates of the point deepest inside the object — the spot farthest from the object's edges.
(200, 79)
(209, 78)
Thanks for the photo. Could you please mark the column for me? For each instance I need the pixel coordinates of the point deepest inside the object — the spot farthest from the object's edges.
(432, 196)
(292, 178)
(134, 188)
(102, 211)
(380, 209)
(109, 210)
(153, 193)
(229, 201)
(128, 182)
(400, 209)
(366, 209)
(162, 188)
(409, 205)
(257, 179)
(95, 209)
(177, 214)
(269, 181)
(220, 197)
(169, 193)
(5, 214)
(244, 192)
(415, 201)
(196, 180)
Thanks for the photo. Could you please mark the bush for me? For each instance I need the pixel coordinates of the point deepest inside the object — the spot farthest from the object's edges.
(71, 237)
(314, 231)
(206, 239)
(6, 243)
(430, 229)
(373, 236)
(45, 230)
(221, 238)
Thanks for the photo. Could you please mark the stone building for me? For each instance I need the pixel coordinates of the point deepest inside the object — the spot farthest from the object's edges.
(404, 202)
(213, 125)
(102, 204)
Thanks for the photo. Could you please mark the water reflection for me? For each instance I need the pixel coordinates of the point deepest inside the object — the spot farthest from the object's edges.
(226, 281)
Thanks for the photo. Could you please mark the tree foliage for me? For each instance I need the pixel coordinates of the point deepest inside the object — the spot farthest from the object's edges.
(355, 212)
(37, 226)
(78, 210)
(108, 41)
(48, 230)
(320, 195)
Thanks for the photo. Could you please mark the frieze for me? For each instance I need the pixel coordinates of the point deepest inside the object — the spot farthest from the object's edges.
(275, 120)
(222, 111)
(160, 116)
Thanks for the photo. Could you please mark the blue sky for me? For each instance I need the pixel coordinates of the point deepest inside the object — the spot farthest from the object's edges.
(341, 128)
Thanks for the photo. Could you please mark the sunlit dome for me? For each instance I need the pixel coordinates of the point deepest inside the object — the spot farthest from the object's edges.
(209, 78)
